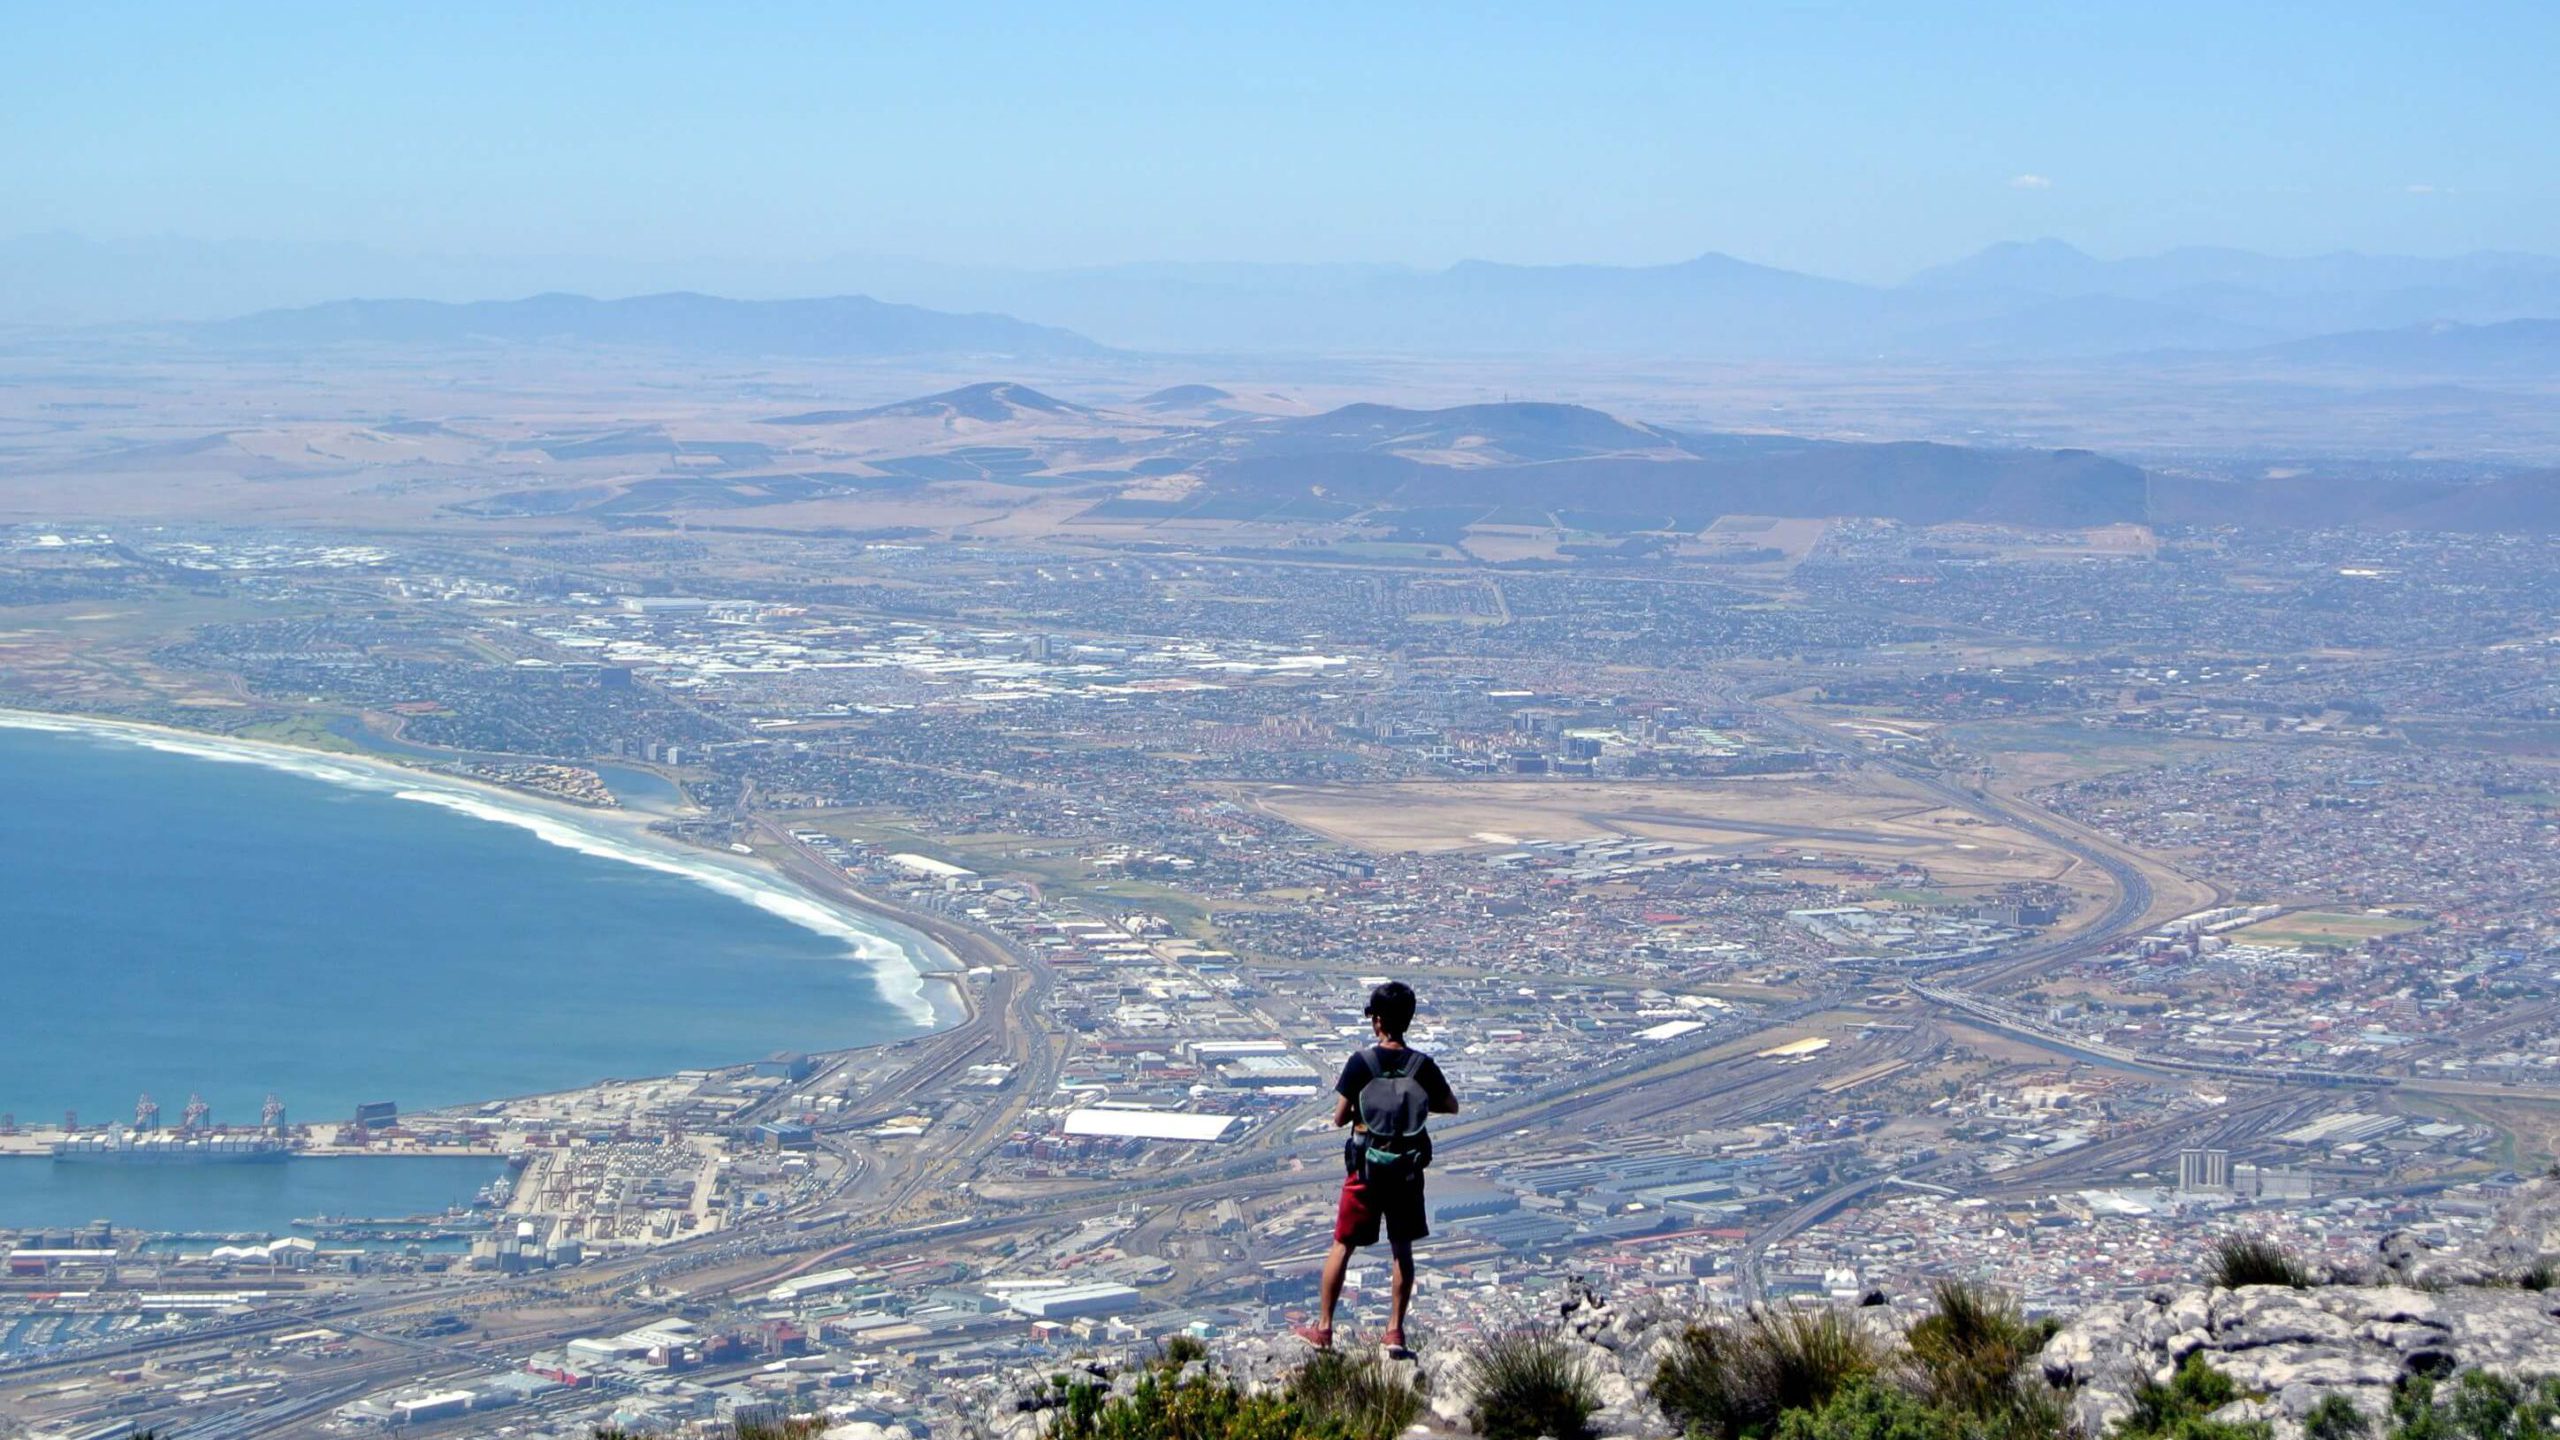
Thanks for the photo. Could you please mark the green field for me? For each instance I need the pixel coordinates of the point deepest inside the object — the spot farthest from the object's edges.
(309, 731)
(2332, 928)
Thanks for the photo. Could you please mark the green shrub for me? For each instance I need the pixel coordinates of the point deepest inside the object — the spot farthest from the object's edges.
(1181, 1350)
(1364, 1395)
(1696, 1385)
(1732, 1381)
(2479, 1406)
(1527, 1384)
(2240, 1260)
(2336, 1418)
(1972, 1355)
(2540, 1275)
(1865, 1410)
(1172, 1405)
(1966, 1353)
(2179, 1409)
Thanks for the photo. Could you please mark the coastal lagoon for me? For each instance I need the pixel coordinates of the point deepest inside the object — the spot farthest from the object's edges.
(188, 916)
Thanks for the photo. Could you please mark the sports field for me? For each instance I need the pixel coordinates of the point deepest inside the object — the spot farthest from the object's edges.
(2335, 928)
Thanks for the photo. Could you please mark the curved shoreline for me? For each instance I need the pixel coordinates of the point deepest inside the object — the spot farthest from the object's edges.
(915, 972)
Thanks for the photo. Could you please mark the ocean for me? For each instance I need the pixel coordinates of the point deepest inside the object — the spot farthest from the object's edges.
(175, 919)
(235, 1199)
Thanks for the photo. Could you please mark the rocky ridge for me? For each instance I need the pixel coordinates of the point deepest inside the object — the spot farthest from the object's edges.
(2413, 1311)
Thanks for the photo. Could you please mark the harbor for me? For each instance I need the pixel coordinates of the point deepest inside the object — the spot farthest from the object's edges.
(259, 1200)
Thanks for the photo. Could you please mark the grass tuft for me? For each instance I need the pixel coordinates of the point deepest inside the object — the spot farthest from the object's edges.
(1972, 1356)
(1365, 1396)
(2240, 1260)
(1731, 1381)
(1528, 1384)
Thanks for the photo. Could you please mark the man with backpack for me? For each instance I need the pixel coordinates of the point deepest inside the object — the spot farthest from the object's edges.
(1387, 1092)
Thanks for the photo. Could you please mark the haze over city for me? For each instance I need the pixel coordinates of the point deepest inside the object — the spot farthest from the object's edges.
(1657, 721)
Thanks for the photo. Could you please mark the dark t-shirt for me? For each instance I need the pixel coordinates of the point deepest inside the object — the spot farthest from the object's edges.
(1357, 1073)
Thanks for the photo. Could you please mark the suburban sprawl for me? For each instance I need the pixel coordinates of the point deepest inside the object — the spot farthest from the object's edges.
(1807, 908)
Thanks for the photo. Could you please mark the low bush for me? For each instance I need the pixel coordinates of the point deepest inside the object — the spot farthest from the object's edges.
(1735, 1381)
(1866, 1410)
(1528, 1384)
(2475, 1405)
(1365, 1395)
(1169, 1404)
(1333, 1397)
(1973, 1355)
(2336, 1418)
(2181, 1409)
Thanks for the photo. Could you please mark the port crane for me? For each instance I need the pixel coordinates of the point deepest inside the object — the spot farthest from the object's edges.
(146, 1113)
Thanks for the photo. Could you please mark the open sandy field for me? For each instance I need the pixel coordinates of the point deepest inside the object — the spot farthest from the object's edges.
(2324, 927)
(1781, 819)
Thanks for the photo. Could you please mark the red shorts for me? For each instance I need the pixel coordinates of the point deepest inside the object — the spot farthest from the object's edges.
(1363, 1209)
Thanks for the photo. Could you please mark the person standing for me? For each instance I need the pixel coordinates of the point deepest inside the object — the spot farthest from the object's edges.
(1386, 1094)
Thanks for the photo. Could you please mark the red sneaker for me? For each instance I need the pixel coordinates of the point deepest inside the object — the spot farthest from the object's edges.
(1320, 1336)
(1394, 1341)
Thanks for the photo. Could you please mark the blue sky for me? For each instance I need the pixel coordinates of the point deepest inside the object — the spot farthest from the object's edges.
(1858, 140)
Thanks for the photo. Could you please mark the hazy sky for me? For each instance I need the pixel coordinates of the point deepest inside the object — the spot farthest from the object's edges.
(1862, 140)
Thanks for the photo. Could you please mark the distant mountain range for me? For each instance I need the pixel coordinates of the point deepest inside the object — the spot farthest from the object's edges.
(991, 402)
(1437, 471)
(1426, 475)
(2525, 502)
(2038, 300)
(2525, 348)
(838, 327)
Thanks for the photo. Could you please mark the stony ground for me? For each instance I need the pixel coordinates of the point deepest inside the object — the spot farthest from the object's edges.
(2410, 1311)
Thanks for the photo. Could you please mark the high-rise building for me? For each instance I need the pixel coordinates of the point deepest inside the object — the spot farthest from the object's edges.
(2203, 1170)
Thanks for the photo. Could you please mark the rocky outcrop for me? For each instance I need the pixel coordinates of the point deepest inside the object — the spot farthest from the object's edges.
(1620, 1345)
(2288, 1348)
(2528, 1229)
(2412, 1310)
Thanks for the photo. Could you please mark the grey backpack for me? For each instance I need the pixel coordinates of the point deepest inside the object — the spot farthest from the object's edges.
(1393, 1109)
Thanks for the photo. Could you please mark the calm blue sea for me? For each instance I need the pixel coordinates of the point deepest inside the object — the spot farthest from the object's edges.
(236, 1199)
(174, 923)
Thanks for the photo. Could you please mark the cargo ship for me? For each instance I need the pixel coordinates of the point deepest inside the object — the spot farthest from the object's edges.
(124, 1147)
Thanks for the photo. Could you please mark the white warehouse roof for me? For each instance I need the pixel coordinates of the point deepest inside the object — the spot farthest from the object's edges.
(928, 866)
(1148, 1124)
(1101, 1298)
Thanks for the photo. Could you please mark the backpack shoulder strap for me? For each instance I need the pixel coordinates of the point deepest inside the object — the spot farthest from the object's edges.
(1378, 1063)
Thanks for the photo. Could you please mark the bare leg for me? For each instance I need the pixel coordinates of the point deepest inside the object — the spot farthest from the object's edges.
(1403, 1290)
(1329, 1289)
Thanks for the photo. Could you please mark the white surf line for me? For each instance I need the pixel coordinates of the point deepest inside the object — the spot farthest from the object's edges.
(892, 964)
